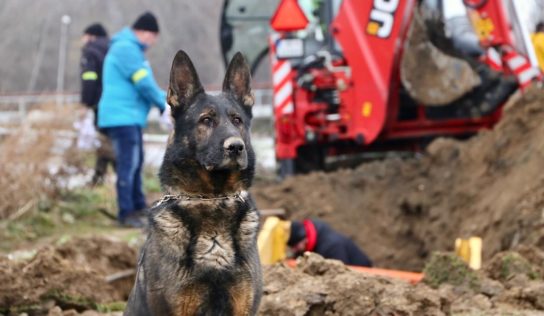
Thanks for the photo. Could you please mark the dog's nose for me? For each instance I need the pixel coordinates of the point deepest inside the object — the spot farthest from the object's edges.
(234, 145)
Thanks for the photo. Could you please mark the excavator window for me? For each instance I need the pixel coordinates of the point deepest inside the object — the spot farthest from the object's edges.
(245, 27)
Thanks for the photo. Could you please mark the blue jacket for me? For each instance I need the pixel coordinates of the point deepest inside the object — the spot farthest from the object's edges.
(128, 87)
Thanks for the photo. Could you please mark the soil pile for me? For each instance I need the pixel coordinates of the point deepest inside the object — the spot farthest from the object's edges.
(327, 287)
(399, 211)
(71, 276)
(69, 280)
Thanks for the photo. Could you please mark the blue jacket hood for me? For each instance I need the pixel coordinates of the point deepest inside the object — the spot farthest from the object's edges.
(127, 34)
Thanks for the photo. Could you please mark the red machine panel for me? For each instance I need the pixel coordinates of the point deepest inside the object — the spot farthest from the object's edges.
(369, 33)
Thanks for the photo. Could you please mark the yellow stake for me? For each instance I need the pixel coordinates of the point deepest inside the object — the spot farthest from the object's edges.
(470, 250)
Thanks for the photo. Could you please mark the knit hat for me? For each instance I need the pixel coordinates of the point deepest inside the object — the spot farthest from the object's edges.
(539, 27)
(298, 233)
(95, 29)
(146, 22)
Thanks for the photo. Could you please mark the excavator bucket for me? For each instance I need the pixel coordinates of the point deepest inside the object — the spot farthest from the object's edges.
(430, 76)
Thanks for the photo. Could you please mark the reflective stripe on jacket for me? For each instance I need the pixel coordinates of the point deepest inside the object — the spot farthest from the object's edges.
(92, 60)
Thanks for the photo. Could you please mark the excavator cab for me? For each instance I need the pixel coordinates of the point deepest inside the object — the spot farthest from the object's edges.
(245, 27)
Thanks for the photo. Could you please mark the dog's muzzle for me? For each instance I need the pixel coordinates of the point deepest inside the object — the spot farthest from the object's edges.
(235, 152)
(234, 146)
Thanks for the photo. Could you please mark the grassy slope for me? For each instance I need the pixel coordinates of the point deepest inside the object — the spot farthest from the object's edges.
(79, 212)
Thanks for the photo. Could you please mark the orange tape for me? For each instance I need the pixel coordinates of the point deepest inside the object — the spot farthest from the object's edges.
(412, 277)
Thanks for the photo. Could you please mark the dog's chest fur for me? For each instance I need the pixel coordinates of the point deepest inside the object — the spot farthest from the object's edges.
(209, 233)
(210, 240)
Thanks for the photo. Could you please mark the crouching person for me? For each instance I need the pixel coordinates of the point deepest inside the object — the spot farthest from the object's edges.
(316, 236)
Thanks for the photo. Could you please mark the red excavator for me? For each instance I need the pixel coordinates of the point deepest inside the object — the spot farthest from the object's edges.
(351, 77)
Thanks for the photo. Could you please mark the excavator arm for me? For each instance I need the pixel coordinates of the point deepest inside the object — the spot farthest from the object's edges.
(371, 33)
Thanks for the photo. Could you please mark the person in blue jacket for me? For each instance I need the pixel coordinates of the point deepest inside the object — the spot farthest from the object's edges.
(129, 90)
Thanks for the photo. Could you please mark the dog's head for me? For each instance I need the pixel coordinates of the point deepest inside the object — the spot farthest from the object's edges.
(211, 140)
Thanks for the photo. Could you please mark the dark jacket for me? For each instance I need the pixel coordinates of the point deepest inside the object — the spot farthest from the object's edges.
(332, 245)
(92, 59)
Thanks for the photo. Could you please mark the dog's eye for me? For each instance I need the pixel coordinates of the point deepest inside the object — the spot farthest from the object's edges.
(206, 121)
(236, 120)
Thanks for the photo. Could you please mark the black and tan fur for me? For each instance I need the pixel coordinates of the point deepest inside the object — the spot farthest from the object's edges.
(200, 256)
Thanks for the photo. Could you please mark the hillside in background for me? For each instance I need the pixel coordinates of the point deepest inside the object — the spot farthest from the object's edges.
(30, 32)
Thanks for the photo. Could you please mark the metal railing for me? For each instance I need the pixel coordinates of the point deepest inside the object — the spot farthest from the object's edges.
(14, 108)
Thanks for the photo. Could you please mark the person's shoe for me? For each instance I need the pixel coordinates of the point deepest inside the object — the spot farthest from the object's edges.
(97, 181)
(143, 215)
(133, 221)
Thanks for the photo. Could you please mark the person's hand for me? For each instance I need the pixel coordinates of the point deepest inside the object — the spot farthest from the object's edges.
(81, 112)
(166, 121)
(87, 138)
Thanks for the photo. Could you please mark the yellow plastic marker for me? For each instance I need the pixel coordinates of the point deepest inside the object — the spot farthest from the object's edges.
(272, 240)
(470, 250)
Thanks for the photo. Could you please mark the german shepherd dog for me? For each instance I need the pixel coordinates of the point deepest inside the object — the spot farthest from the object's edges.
(200, 256)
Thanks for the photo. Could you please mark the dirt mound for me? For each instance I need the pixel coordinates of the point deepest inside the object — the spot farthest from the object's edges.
(72, 276)
(99, 254)
(525, 262)
(400, 210)
(326, 287)
(69, 281)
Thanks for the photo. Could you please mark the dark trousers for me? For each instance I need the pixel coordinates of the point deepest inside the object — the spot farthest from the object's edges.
(128, 146)
(104, 157)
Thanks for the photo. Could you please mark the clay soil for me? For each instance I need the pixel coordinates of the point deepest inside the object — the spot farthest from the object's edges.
(69, 280)
(71, 276)
(400, 211)
(327, 287)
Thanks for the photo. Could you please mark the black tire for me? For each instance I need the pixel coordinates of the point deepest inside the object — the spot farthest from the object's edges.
(309, 158)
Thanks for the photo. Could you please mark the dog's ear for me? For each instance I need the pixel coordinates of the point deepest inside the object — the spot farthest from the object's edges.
(184, 83)
(237, 81)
